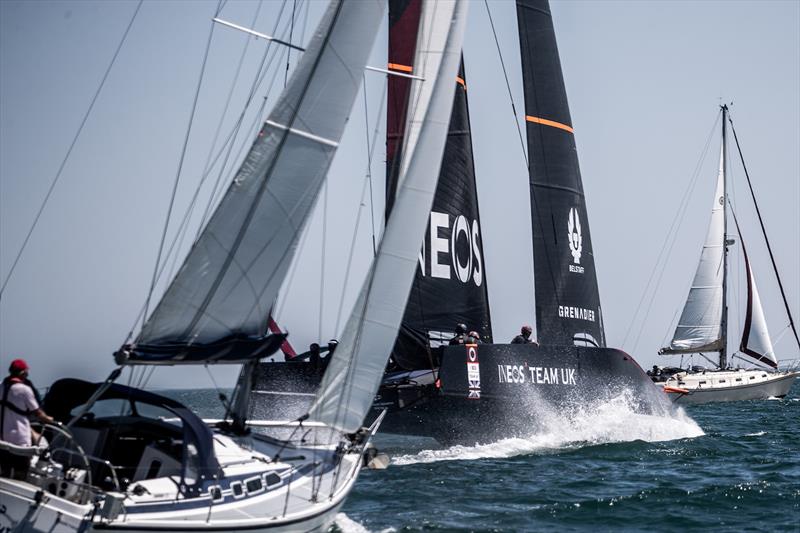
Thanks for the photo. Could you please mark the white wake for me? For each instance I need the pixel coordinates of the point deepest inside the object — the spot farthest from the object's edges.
(609, 421)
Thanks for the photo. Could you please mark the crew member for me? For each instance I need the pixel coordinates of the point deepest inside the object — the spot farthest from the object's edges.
(473, 338)
(17, 404)
(524, 336)
(461, 335)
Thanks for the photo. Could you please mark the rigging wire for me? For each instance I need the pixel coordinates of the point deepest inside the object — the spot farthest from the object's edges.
(69, 150)
(508, 86)
(666, 247)
(207, 167)
(180, 163)
(289, 55)
(367, 181)
(764, 232)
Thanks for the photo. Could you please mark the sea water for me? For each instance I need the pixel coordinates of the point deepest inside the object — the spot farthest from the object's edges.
(721, 467)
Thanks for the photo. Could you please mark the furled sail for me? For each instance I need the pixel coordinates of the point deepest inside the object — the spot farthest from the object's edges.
(217, 306)
(354, 373)
(700, 325)
(567, 296)
(756, 341)
(450, 283)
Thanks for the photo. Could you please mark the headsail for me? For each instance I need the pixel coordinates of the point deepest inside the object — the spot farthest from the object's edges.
(756, 341)
(700, 326)
(450, 283)
(567, 297)
(217, 306)
(355, 371)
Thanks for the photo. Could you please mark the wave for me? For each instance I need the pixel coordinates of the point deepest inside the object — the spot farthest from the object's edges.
(345, 524)
(611, 420)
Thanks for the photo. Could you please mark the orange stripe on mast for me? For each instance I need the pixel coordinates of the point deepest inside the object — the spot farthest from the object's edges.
(551, 123)
(401, 68)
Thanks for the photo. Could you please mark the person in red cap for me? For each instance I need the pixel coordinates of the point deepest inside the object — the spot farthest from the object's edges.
(18, 404)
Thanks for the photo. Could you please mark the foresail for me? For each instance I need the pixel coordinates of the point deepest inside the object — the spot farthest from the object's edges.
(217, 306)
(450, 284)
(567, 296)
(700, 325)
(756, 341)
(357, 365)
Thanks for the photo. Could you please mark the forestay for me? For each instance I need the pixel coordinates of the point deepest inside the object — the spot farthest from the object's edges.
(217, 306)
(699, 328)
(353, 376)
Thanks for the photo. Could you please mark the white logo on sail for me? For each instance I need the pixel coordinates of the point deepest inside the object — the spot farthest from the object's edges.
(575, 237)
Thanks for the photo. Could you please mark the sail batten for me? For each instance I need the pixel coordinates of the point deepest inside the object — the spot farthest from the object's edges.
(231, 277)
(354, 373)
(565, 282)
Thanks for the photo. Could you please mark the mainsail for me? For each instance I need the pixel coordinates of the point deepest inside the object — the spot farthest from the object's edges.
(700, 325)
(217, 306)
(567, 297)
(355, 371)
(450, 284)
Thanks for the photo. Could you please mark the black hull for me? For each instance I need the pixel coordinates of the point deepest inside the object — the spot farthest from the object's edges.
(519, 388)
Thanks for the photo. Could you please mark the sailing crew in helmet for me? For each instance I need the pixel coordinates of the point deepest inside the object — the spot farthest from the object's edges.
(461, 335)
(18, 403)
(524, 336)
(473, 338)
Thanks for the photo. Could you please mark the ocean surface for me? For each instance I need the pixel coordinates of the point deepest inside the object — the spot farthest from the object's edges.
(717, 467)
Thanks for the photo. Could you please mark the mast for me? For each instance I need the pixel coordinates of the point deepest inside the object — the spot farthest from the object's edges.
(723, 351)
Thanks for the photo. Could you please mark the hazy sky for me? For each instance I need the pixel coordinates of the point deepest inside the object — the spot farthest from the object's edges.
(644, 81)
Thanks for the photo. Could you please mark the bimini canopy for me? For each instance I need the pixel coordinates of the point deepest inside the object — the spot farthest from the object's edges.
(198, 445)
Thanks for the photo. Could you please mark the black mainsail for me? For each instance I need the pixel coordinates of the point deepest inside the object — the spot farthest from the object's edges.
(567, 297)
(450, 282)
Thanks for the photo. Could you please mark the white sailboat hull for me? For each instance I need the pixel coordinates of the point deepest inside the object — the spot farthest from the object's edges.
(729, 386)
(308, 503)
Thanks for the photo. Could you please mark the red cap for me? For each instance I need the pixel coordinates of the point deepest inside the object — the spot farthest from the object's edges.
(18, 366)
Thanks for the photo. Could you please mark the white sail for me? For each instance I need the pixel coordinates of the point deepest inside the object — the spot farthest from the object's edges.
(699, 328)
(353, 376)
(231, 277)
(756, 341)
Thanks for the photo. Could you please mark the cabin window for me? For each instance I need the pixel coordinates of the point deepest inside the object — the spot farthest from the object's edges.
(254, 485)
(237, 489)
(216, 493)
(272, 479)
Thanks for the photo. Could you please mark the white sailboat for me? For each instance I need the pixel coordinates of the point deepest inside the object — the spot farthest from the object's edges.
(703, 325)
(129, 460)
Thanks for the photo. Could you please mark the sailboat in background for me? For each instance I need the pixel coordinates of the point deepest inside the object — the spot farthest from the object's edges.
(131, 460)
(703, 325)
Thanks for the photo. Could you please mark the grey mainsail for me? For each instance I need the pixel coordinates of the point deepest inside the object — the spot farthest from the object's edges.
(217, 306)
(355, 371)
